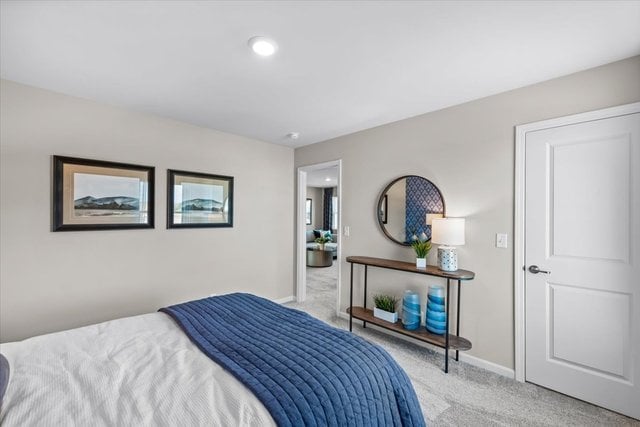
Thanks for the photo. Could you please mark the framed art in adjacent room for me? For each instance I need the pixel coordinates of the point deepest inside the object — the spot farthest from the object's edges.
(199, 200)
(308, 211)
(100, 195)
(383, 209)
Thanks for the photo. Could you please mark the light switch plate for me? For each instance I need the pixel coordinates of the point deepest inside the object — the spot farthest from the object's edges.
(346, 231)
(501, 240)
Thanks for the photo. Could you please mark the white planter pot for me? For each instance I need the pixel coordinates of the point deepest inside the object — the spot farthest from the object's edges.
(421, 262)
(385, 315)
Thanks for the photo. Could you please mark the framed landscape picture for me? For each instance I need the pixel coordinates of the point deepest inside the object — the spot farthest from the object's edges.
(309, 211)
(100, 195)
(383, 209)
(199, 200)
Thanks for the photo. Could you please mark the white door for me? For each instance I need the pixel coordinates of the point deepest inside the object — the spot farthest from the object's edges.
(582, 229)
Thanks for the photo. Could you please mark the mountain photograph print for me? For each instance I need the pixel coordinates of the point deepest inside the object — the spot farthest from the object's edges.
(197, 200)
(100, 195)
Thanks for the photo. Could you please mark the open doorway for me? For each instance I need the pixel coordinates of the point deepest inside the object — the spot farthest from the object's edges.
(319, 240)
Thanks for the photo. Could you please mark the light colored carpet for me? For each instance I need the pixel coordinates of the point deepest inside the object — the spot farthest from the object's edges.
(467, 395)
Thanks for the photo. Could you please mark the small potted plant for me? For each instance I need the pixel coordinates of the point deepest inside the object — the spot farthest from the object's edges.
(322, 240)
(385, 308)
(421, 246)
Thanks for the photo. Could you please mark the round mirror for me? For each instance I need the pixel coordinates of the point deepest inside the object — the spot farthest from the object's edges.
(406, 208)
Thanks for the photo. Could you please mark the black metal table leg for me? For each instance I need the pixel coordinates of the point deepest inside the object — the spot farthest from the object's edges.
(446, 332)
(351, 302)
(458, 318)
(364, 324)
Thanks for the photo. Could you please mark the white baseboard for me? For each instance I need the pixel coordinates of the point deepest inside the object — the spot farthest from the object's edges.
(471, 360)
(489, 366)
(285, 299)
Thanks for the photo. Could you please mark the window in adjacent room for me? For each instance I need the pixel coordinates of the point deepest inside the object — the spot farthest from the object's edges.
(334, 213)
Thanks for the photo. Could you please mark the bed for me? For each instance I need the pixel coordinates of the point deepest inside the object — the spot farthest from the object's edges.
(232, 360)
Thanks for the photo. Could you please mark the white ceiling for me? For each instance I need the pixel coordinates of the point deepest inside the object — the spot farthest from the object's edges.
(341, 66)
(323, 177)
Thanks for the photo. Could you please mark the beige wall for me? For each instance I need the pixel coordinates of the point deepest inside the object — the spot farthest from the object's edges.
(468, 152)
(52, 281)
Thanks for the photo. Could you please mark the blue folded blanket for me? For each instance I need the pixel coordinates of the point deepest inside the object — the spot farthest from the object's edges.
(304, 371)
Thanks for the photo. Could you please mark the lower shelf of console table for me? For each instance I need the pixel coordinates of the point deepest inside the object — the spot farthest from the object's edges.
(421, 334)
(447, 341)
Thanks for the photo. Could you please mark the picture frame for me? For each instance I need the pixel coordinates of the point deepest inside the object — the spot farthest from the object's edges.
(101, 195)
(199, 200)
(309, 211)
(383, 209)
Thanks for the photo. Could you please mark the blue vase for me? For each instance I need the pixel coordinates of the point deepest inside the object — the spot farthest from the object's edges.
(438, 316)
(435, 307)
(437, 325)
(436, 321)
(411, 311)
(436, 299)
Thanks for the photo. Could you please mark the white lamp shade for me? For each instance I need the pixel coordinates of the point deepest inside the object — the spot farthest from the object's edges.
(447, 231)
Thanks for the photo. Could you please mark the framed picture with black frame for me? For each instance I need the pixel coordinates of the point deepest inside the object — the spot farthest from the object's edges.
(197, 200)
(101, 195)
(383, 209)
(309, 211)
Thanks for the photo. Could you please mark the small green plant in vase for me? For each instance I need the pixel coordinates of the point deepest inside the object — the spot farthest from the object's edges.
(421, 246)
(385, 307)
(322, 240)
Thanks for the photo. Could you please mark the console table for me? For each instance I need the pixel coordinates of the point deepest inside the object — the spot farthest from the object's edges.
(446, 341)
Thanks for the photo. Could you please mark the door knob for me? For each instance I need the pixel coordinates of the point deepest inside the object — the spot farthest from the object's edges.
(535, 270)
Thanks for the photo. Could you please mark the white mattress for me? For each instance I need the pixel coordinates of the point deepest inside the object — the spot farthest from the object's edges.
(140, 370)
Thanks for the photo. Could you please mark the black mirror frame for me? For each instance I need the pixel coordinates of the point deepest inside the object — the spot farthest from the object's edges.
(382, 201)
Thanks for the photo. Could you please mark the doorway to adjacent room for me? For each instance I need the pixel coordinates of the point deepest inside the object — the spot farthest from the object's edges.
(318, 234)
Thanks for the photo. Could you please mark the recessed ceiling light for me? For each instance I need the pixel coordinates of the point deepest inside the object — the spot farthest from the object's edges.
(293, 135)
(327, 179)
(263, 46)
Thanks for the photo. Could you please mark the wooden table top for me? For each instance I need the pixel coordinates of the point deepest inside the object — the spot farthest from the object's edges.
(429, 270)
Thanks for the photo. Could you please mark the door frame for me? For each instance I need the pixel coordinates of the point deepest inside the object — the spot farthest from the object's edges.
(301, 229)
(519, 215)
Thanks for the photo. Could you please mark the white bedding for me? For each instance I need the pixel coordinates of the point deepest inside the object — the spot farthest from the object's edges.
(140, 370)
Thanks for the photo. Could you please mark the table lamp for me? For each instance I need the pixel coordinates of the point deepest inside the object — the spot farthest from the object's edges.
(448, 232)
